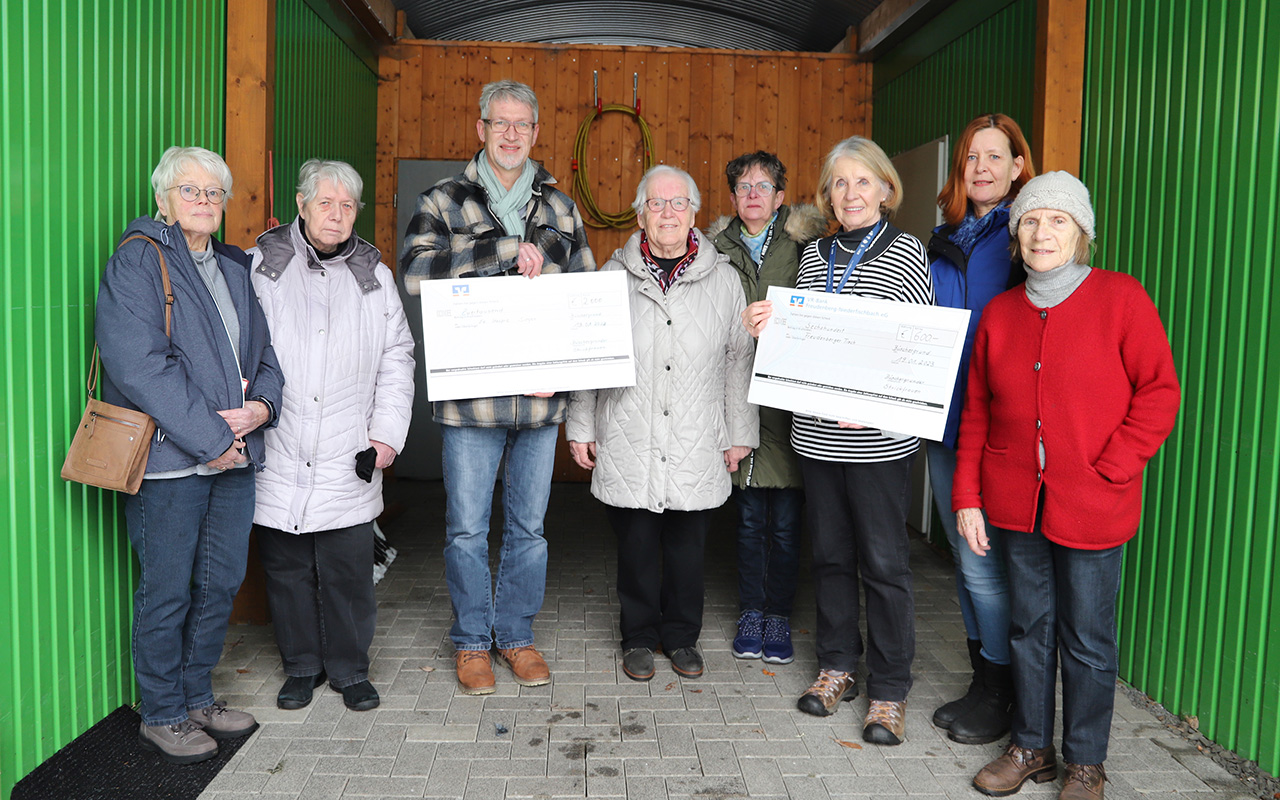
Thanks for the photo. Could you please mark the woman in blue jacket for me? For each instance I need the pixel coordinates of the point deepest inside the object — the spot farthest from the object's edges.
(211, 383)
(971, 263)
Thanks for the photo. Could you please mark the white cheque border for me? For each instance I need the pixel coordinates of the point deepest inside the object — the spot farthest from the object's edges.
(879, 363)
(498, 336)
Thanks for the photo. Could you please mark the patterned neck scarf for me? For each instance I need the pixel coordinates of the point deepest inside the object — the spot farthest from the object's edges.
(666, 279)
(972, 228)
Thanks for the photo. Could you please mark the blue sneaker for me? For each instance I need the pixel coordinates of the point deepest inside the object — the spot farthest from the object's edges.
(777, 641)
(750, 638)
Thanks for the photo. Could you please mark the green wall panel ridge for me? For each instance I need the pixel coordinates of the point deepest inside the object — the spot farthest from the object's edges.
(1182, 155)
(989, 69)
(94, 93)
(326, 107)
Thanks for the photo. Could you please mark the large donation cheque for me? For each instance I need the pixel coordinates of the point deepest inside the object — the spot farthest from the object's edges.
(490, 337)
(877, 363)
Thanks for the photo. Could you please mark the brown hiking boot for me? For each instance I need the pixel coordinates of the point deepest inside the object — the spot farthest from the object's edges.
(475, 674)
(886, 722)
(821, 698)
(1083, 782)
(527, 665)
(183, 743)
(1006, 774)
(221, 722)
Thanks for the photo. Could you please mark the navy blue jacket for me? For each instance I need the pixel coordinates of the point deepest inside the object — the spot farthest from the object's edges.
(970, 283)
(182, 383)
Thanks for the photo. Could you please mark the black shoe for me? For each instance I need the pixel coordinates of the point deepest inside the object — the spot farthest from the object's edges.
(637, 663)
(686, 661)
(297, 692)
(990, 716)
(359, 696)
(947, 713)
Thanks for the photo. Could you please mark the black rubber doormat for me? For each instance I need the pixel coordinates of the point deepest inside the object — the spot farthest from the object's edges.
(107, 763)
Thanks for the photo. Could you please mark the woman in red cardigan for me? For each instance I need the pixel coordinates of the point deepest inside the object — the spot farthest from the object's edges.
(1071, 391)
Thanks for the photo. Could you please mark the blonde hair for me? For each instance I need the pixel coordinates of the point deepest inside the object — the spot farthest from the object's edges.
(868, 154)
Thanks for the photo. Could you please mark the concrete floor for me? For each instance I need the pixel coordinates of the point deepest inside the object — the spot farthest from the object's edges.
(735, 733)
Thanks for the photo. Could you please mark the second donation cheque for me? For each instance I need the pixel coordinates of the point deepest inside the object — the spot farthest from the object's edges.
(878, 363)
(503, 336)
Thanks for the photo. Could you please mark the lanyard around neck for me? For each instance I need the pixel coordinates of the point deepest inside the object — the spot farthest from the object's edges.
(854, 260)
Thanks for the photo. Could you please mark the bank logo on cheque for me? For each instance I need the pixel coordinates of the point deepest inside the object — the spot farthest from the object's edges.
(797, 299)
(461, 289)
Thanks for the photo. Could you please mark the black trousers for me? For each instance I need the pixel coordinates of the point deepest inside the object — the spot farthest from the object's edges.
(858, 526)
(660, 558)
(320, 592)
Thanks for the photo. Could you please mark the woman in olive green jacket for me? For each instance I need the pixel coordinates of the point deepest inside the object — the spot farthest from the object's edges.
(763, 242)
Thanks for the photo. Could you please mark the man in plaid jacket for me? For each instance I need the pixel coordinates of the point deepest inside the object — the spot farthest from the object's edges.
(501, 216)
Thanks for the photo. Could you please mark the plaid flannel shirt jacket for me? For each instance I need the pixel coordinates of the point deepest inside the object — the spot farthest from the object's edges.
(454, 234)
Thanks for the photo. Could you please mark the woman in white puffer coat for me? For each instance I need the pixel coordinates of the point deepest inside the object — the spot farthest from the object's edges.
(662, 450)
(347, 357)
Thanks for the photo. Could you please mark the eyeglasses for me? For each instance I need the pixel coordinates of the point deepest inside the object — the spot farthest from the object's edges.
(192, 193)
(656, 204)
(502, 125)
(764, 188)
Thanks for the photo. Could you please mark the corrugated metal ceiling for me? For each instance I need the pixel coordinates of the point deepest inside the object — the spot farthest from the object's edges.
(803, 25)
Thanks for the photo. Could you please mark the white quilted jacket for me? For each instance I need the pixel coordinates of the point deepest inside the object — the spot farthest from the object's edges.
(660, 444)
(344, 347)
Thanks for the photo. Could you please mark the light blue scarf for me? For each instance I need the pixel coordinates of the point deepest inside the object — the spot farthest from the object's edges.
(508, 204)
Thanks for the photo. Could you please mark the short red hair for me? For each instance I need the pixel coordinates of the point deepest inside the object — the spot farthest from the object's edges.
(953, 200)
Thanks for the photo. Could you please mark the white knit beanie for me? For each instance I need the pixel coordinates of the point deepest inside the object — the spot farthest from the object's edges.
(1060, 191)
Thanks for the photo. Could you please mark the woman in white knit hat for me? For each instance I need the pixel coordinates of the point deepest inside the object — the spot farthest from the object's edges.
(1071, 391)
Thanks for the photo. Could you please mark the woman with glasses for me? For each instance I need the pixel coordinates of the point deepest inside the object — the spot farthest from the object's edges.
(662, 450)
(763, 242)
(209, 379)
(858, 479)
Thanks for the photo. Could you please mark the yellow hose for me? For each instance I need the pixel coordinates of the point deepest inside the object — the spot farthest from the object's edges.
(592, 215)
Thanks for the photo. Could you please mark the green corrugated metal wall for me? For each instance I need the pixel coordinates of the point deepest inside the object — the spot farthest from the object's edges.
(921, 93)
(326, 107)
(1182, 153)
(94, 92)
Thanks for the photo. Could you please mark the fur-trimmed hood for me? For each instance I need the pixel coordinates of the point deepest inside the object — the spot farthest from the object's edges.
(802, 223)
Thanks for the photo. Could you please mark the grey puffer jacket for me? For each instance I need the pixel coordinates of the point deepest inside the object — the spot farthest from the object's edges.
(347, 355)
(660, 444)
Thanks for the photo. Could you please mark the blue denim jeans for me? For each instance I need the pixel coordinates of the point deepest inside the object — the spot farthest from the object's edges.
(192, 539)
(1064, 609)
(982, 583)
(768, 549)
(485, 613)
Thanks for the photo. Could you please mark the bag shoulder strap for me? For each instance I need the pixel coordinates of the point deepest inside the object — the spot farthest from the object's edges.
(168, 306)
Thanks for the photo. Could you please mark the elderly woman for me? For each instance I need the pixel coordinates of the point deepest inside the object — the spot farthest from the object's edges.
(971, 263)
(211, 385)
(663, 449)
(763, 242)
(1071, 391)
(858, 479)
(347, 355)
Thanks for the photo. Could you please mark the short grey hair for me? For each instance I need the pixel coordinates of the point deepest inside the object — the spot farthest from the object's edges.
(642, 191)
(340, 173)
(513, 91)
(177, 160)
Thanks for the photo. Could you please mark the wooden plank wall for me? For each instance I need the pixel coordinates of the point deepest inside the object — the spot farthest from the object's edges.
(703, 107)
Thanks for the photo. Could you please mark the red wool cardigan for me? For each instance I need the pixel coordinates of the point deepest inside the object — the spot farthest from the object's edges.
(1094, 377)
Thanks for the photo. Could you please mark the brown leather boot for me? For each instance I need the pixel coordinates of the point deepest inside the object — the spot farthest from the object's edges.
(1006, 774)
(1084, 782)
(527, 665)
(475, 672)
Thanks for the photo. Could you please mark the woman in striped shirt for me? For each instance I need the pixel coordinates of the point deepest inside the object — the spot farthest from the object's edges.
(858, 479)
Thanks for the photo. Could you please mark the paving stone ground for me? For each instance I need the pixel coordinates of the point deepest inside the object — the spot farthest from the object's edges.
(735, 733)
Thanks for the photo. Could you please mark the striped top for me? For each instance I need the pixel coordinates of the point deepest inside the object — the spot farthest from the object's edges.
(893, 268)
